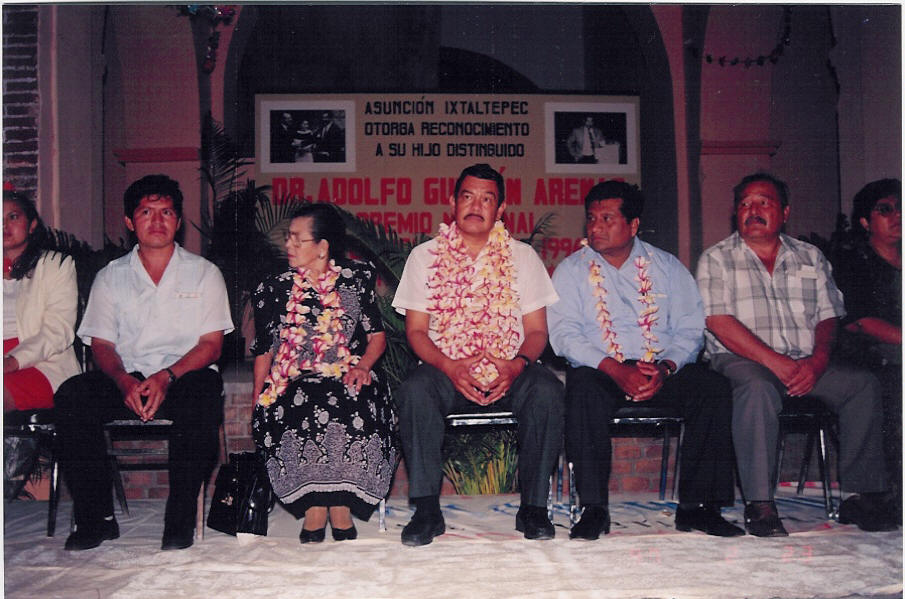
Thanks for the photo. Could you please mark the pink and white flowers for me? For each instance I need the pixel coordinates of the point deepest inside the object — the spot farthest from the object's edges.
(326, 334)
(646, 319)
(476, 308)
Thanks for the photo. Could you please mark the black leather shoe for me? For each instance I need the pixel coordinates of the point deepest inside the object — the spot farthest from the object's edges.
(177, 539)
(866, 513)
(762, 520)
(89, 537)
(706, 518)
(533, 521)
(313, 536)
(422, 528)
(595, 520)
(344, 534)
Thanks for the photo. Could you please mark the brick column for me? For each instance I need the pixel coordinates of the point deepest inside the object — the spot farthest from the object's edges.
(21, 101)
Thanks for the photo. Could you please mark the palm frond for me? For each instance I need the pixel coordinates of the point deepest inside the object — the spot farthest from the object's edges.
(380, 245)
(481, 462)
(542, 228)
(223, 167)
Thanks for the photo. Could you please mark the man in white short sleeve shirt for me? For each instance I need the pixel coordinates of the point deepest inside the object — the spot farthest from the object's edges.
(474, 301)
(155, 322)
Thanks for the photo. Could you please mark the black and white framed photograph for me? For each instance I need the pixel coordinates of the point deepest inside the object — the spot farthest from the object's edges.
(306, 136)
(591, 137)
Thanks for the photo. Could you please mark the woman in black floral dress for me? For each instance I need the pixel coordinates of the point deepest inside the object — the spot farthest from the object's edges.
(323, 417)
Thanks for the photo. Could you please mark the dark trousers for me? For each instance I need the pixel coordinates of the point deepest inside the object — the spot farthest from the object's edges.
(852, 394)
(704, 399)
(85, 402)
(535, 398)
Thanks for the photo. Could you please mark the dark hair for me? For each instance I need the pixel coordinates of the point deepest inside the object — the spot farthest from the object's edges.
(152, 185)
(631, 196)
(865, 200)
(326, 223)
(25, 264)
(483, 171)
(781, 188)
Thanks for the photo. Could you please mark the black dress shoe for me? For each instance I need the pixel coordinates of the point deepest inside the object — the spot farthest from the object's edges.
(867, 513)
(595, 520)
(344, 534)
(422, 528)
(89, 537)
(762, 520)
(533, 521)
(313, 536)
(174, 539)
(706, 518)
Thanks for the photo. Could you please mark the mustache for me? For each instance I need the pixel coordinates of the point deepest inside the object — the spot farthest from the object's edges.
(481, 216)
(755, 219)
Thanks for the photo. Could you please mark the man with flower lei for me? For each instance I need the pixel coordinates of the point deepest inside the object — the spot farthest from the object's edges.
(475, 303)
(630, 322)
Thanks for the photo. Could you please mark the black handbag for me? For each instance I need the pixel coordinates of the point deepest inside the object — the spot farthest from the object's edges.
(243, 497)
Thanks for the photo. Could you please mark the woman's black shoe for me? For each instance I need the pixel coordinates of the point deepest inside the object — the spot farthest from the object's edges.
(313, 536)
(344, 534)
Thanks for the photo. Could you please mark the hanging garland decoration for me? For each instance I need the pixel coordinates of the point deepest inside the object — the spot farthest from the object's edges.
(773, 57)
(215, 14)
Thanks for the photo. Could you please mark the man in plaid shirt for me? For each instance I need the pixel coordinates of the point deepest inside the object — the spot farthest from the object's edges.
(772, 310)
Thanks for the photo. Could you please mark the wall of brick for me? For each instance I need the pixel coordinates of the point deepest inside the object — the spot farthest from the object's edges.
(20, 97)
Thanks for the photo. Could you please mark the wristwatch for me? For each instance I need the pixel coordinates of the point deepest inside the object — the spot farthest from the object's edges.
(525, 358)
(172, 375)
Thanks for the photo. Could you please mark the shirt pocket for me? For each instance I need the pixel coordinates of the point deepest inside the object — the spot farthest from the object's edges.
(186, 309)
(801, 286)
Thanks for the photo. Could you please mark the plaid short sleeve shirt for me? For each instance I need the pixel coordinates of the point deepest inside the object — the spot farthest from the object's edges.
(782, 310)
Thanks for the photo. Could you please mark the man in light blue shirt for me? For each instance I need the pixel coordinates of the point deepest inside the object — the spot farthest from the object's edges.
(630, 322)
(155, 322)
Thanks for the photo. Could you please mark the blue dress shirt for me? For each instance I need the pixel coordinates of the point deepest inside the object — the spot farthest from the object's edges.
(575, 333)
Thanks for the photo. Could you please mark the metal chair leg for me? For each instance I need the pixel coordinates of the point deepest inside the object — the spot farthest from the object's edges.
(828, 503)
(118, 488)
(574, 508)
(780, 449)
(805, 461)
(677, 468)
(664, 461)
(382, 516)
(54, 498)
(199, 514)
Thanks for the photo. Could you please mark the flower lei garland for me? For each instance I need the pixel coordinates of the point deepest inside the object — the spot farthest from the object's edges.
(327, 334)
(646, 319)
(472, 320)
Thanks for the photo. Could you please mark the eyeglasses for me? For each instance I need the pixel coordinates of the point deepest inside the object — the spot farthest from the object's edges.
(287, 237)
(886, 209)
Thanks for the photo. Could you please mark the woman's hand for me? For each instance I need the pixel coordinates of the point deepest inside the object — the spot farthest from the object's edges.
(356, 377)
(10, 364)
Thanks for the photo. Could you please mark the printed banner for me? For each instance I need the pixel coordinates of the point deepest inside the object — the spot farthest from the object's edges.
(394, 158)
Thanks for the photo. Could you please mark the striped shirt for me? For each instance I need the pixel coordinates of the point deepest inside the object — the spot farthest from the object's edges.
(782, 310)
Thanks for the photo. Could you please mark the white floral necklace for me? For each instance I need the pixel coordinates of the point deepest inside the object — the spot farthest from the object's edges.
(471, 320)
(646, 319)
(327, 334)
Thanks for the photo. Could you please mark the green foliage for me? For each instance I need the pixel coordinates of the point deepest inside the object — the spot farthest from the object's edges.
(482, 462)
(244, 253)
